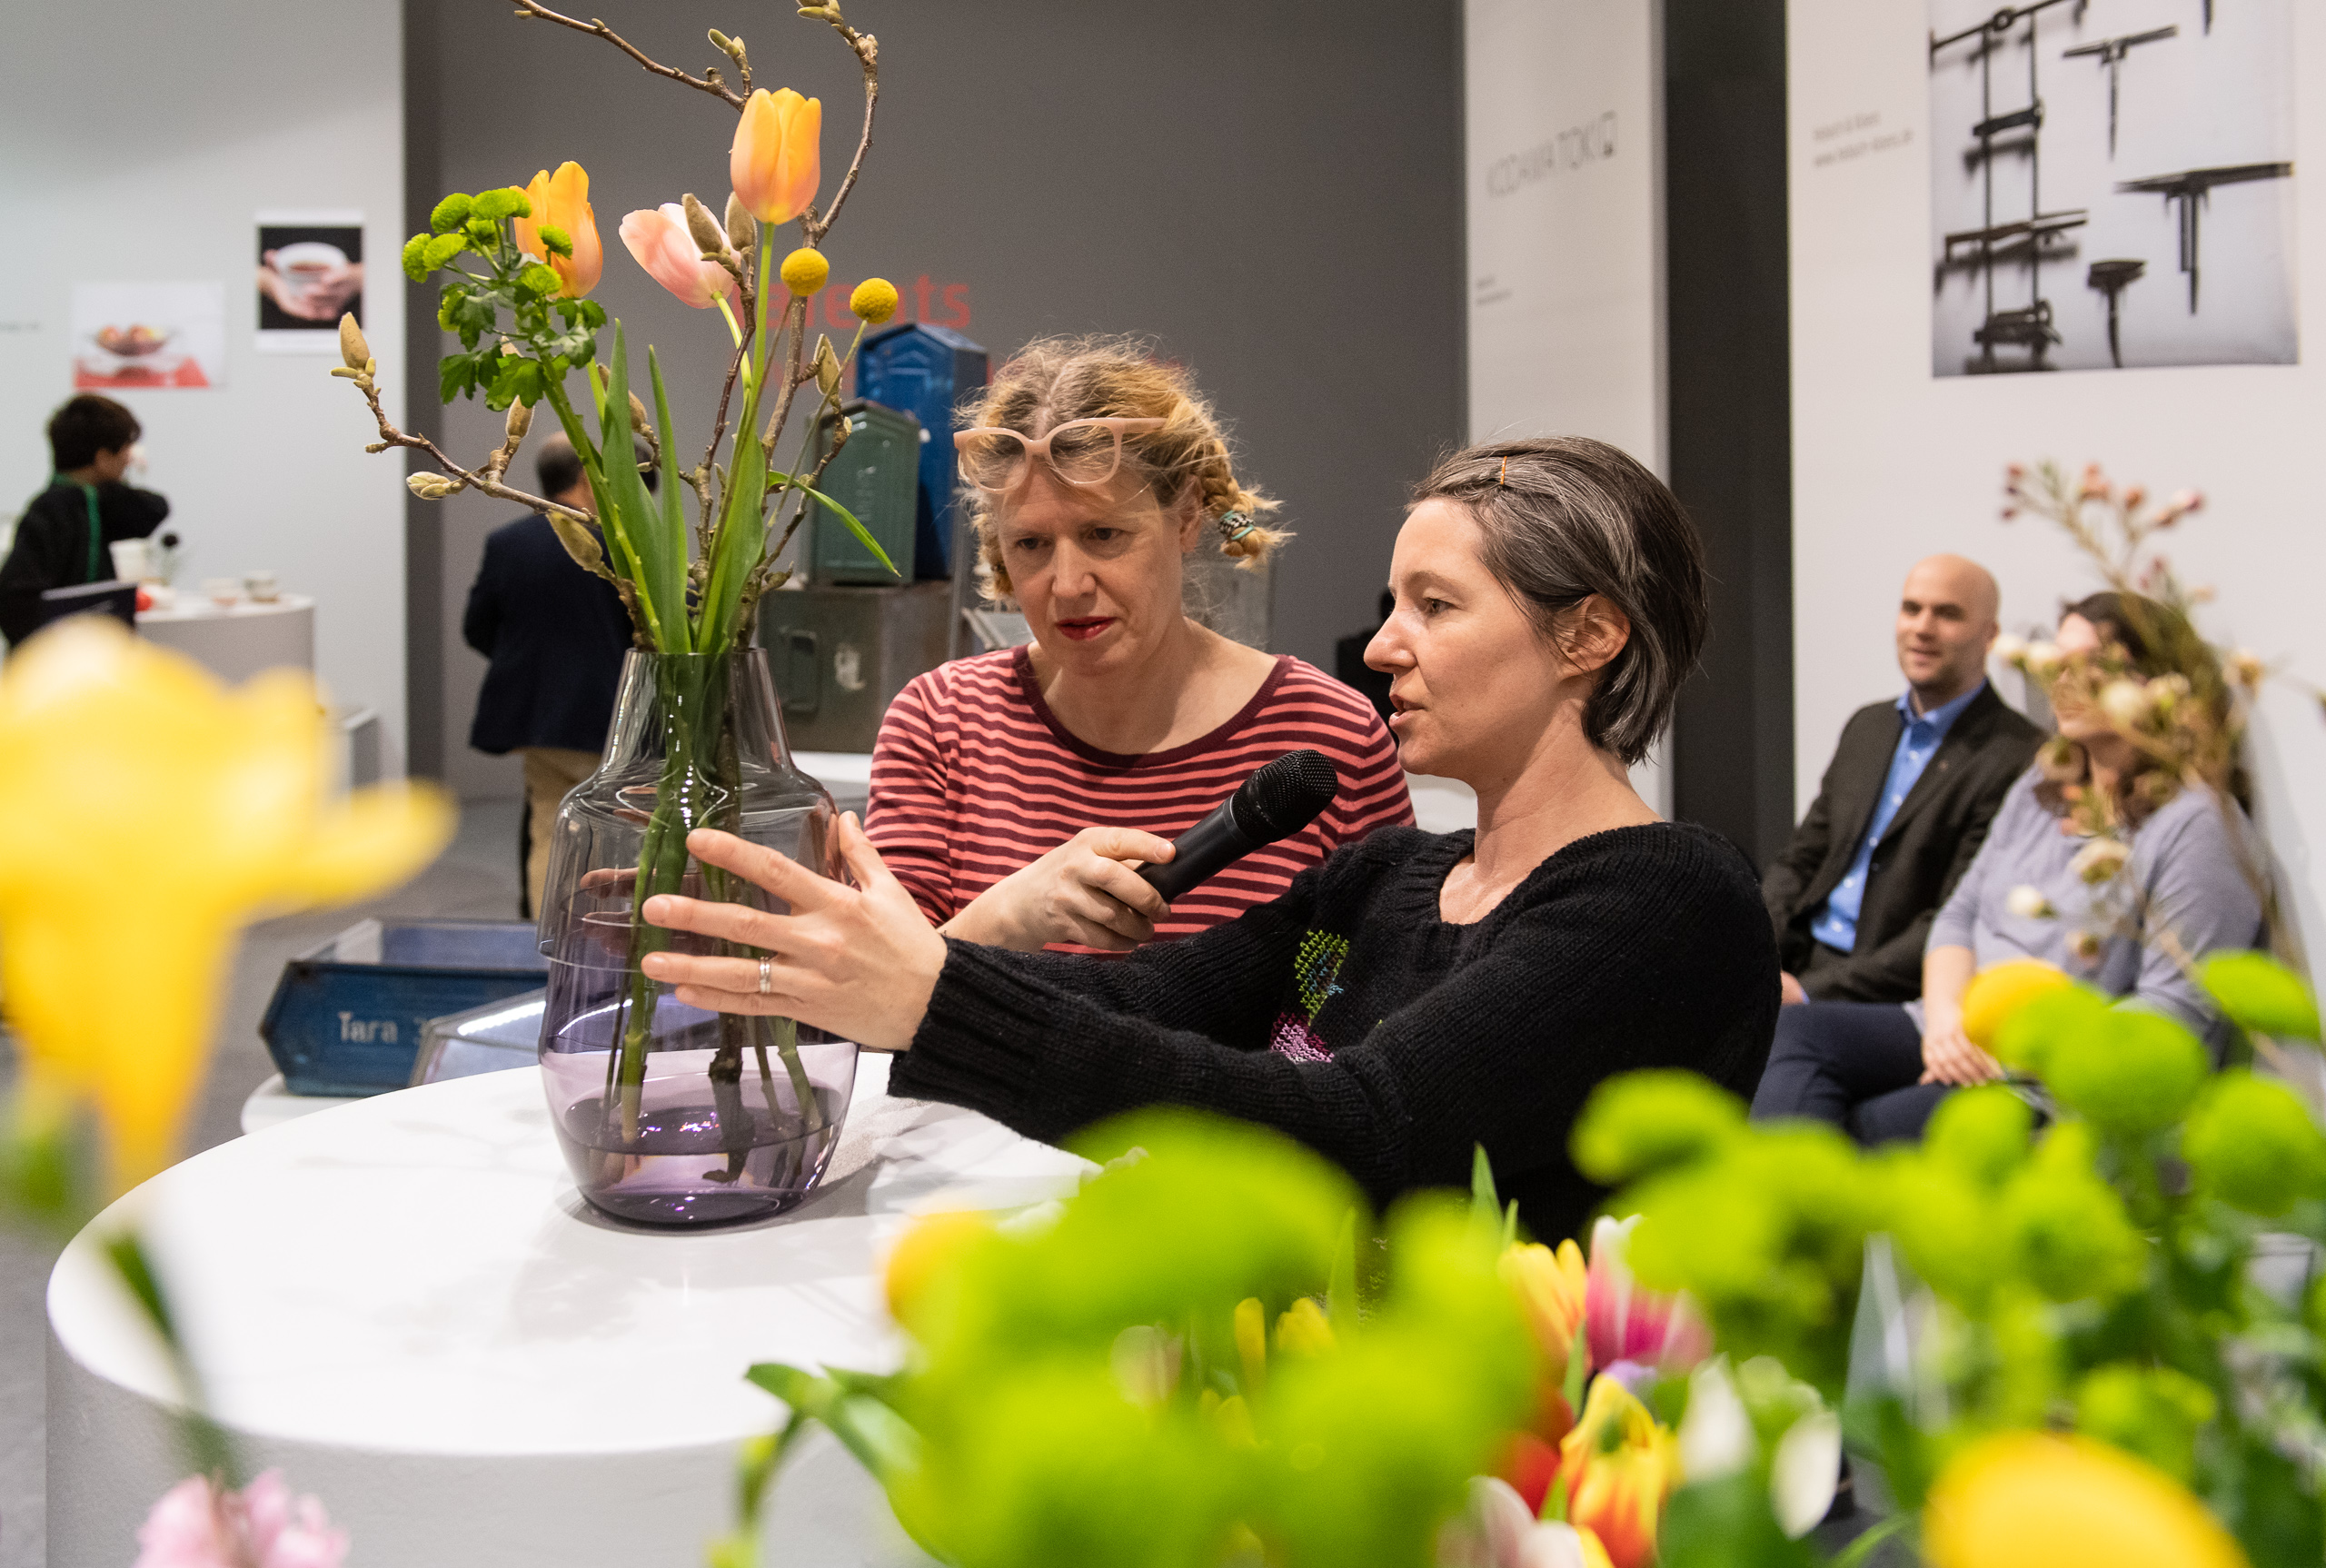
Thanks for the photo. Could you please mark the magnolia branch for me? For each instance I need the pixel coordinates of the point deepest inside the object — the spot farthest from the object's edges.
(708, 83)
(867, 49)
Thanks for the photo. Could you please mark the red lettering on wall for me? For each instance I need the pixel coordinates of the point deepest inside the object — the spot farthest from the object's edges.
(956, 300)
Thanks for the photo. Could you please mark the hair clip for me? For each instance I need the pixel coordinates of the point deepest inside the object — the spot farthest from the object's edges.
(1235, 524)
(1505, 477)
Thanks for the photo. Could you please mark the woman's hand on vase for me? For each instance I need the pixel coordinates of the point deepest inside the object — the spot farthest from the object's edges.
(1083, 891)
(860, 962)
(1950, 1057)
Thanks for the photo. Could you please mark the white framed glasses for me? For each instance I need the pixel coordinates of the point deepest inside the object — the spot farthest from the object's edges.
(1081, 451)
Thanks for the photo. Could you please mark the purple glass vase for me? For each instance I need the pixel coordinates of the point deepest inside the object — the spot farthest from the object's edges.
(668, 1115)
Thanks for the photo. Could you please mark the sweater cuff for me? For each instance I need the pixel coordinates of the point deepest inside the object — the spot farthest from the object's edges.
(979, 1044)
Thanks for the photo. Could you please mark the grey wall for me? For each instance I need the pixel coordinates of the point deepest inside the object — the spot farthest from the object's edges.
(1271, 191)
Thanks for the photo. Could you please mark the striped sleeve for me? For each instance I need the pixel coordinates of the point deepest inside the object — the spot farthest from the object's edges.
(907, 816)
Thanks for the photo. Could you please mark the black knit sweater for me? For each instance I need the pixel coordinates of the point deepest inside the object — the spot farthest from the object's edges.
(1347, 1015)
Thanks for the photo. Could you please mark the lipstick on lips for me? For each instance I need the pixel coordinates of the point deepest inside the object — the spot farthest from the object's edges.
(1083, 627)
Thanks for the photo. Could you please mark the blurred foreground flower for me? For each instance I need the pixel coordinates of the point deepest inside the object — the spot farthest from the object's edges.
(561, 202)
(262, 1526)
(1620, 1464)
(1648, 1328)
(147, 814)
(1502, 1532)
(2032, 1500)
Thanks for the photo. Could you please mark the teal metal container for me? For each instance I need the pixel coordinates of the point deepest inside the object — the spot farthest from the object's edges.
(877, 476)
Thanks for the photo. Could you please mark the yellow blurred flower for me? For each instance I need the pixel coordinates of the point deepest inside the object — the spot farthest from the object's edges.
(146, 814)
(932, 1247)
(874, 301)
(776, 162)
(1620, 1464)
(2033, 1500)
(1551, 1287)
(2000, 990)
(804, 271)
(1305, 1330)
(563, 200)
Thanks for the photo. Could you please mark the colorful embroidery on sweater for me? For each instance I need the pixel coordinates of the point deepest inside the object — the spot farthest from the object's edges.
(1316, 976)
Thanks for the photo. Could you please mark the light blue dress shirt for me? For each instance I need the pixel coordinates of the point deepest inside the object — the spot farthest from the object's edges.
(1918, 742)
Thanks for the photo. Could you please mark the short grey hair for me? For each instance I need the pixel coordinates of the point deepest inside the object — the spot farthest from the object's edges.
(1567, 517)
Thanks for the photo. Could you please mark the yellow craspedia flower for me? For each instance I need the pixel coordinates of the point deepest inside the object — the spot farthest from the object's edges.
(2000, 990)
(874, 301)
(933, 1247)
(804, 271)
(2033, 1500)
(147, 813)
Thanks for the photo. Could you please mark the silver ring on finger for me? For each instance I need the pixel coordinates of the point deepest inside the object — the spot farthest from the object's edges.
(766, 976)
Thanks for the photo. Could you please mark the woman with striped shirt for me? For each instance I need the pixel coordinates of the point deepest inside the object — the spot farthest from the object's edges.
(1014, 791)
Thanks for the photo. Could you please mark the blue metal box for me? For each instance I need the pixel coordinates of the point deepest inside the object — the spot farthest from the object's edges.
(926, 372)
(347, 1018)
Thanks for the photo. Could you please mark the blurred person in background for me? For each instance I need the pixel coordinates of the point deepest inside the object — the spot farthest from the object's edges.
(1904, 804)
(1014, 791)
(63, 540)
(2035, 891)
(555, 635)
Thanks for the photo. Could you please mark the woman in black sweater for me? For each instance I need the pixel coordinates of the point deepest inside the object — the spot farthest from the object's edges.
(1417, 994)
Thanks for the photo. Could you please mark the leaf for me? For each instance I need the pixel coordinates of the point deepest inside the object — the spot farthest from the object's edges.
(632, 512)
(2260, 995)
(1484, 1203)
(1727, 1524)
(128, 1255)
(674, 522)
(855, 528)
(883, 1442)
(455, 373)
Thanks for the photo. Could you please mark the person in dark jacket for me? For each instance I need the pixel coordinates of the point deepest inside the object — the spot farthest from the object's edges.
(63, 538)
(555, 635)
(1415, 997)
(1904, 805)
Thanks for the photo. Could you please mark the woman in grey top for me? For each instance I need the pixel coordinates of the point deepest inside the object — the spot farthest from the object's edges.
(1878, 1070)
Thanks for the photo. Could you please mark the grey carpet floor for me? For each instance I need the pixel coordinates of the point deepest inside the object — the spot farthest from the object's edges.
(475, 879)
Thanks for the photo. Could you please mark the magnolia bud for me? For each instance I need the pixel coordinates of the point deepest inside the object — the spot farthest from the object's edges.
(637, 420)
(430, 486)
(351, 346)
(704, 228)
(719, 40)
(2028, 903)
(577, 543)
(521, 420)
(743, 229)
(2125, 702)
(827, 367)
(2100, 860)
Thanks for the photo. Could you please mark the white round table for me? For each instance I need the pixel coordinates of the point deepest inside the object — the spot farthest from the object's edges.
(403, 1304)
(239, 640)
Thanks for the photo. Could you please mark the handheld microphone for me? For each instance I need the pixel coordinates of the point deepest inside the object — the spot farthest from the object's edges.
(1277, 801)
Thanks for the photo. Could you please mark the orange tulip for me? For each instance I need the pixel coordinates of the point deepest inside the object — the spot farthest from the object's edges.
(1620, 1465)
(776, 164)
(563, 200)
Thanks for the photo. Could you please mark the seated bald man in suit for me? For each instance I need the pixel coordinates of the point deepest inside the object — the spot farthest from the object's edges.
(1904, 804)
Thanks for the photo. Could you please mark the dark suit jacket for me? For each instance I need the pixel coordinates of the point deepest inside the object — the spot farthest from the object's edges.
(555, 635)
(1926, 851)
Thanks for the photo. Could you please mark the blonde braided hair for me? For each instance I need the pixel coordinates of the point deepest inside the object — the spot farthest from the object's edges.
(1053, 380)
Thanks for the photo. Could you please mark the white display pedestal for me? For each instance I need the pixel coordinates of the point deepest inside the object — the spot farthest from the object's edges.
(404, 1304)
(238, 642)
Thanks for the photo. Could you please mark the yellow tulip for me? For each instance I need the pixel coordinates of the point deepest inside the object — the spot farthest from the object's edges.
(932, 1249)
(2000, 990)
(1550, 1285)
(776, 164)
(1620, 1465)
(2032, 1500)
(563, 200)
(146, 814)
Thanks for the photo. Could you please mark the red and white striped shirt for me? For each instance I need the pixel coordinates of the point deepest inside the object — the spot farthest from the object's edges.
(973, 778)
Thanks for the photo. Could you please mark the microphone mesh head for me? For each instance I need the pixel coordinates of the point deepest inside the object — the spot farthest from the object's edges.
(1286, 795)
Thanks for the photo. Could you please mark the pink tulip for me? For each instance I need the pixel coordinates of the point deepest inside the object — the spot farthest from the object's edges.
(1626, 1322)
(659, 238)
(261, 1526)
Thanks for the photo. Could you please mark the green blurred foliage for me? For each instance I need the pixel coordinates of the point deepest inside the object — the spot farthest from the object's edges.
(2260, 995)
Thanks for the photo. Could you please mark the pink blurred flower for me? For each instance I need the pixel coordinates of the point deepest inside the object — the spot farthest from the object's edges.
(261, 1526)
(1625, 1322)
(1501, 1532)
(659, 238)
